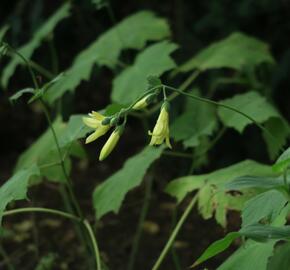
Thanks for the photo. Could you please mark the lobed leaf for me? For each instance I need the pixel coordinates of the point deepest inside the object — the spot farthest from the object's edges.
(28, 49)
(132, 81)
(109, 195)
(238, 51)
(250, 103)
(131, 33)
(15, 188)
(265, 205)
(212, 197)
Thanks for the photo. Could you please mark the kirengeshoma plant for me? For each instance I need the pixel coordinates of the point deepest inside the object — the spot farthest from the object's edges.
(260, 192)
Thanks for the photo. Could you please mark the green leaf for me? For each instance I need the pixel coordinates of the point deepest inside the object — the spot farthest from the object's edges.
(109, 195)
(15, 188)
(212, 197)
(131, 33)
(197, 120)
(265, 205)
(283, 161)
(250, 103)
(251, 255)
(260, 232)
(280, 130)
(245, 182)
(21, 92)
(238, 51)
(217, 247)
(44, 152)
(28, 49)
(281, 259)
(132, 82)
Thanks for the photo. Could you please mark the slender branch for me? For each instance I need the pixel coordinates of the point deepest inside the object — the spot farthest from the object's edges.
(174, 233)
(68, 182)
(94, 243)
(42, 210)
(182, 87)
(142, 217)
(216, 103)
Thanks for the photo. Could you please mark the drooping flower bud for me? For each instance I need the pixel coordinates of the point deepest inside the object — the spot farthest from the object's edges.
(144, 102)
(111, 143)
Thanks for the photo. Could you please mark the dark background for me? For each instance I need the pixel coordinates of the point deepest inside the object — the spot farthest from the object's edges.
(194, 24)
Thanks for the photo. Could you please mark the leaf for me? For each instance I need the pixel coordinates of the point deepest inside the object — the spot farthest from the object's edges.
(131, 33)
(260, 232)
(197, 120)
(15, 188)
(280, 130)
(283, 161)
(212, 197)
(217, 247)
(132, 82)
(20, 93)
(281, 259)
(28, 49)
(265, 205)
(238, 51)
(245, 182)
(44, 152)
(250, 103)
(251, 255)
(109, 195)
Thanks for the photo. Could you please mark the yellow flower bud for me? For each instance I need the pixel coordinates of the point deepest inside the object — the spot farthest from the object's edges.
(95, 121)
(161, 129)
(142, 103)
(111, 143)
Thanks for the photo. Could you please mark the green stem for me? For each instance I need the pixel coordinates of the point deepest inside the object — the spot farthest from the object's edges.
(68, 182)
(94, 244)
(174, 233)
(142, 217)
(182, 87)
(209, 101)
(42, 210)
(46, 73)
(85, 223)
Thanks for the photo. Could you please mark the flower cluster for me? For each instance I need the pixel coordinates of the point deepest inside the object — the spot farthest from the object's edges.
(102, 125)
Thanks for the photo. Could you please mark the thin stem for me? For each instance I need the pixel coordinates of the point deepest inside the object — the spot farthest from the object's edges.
(28, 65)
(42, 210)
(209, 101)
(68, 182)
(142, 217)
(86, 224)
(174, 233)
(173, 251)
(94, 244)
(182, 87)
(46, 73)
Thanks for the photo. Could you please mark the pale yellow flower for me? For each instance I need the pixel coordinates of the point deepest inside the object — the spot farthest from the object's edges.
(111, 143)
(161, 129)
(95, 121)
